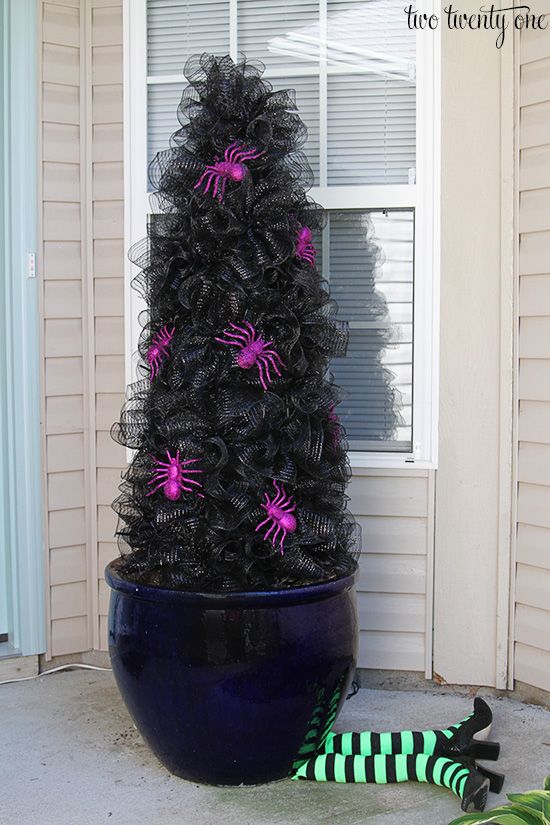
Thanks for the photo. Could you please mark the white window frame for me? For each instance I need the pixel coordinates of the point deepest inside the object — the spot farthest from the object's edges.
(423, 196)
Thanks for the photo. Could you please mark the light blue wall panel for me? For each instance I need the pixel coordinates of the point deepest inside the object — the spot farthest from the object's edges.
(21, 541)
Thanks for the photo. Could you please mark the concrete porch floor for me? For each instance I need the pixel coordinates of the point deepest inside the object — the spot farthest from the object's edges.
(69, 755)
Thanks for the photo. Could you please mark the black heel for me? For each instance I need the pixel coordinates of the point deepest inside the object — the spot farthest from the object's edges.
(496, 780)
(475, 792)
(484, 750)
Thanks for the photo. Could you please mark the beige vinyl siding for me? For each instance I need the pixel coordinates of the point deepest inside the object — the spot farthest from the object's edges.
(83, 307)
(395, 511)
(532, 586)
(108, 272)
(62, 329)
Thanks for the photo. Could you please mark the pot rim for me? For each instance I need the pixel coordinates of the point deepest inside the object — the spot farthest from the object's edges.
(231, 598)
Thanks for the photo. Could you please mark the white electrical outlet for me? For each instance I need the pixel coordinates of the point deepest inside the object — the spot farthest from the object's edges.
(31, 265)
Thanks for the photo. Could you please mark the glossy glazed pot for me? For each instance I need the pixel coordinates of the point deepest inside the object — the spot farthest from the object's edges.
(232, 688)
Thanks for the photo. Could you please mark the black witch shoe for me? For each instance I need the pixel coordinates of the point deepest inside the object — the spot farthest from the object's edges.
(469, 737)
(479, 782)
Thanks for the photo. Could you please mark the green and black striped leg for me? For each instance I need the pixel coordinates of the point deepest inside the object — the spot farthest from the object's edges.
(456, 740)
(320, 724)
(461, 776)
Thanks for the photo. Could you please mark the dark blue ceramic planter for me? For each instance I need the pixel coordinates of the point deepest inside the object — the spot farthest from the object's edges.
(232, 688)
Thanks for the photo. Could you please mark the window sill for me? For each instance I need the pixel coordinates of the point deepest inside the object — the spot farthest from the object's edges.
(389, 461)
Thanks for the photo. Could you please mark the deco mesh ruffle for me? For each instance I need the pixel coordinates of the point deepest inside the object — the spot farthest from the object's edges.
(225, 260)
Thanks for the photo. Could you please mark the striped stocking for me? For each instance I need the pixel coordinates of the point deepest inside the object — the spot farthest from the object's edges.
(463, 779)
(456, 740)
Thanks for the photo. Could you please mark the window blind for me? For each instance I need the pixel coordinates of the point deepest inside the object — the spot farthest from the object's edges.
(371, 278)
(354, 77)
(371, 130)
(263, 32)
(176, 29)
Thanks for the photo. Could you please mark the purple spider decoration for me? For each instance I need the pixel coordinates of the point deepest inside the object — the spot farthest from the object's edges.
(158, 350)
(279, 514)
(255, 351)
(232, 167)
(172, 476)
(304, 248)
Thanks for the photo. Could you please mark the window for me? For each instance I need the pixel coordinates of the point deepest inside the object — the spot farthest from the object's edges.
(366, 88)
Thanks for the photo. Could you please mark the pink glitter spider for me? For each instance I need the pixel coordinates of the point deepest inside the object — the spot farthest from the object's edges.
(232, 167)
(304, 248)
(279, 513)
(255, 351)
(172, 476)
(158, 350)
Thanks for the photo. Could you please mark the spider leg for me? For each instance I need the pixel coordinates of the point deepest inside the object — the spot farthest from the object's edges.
(206, 172)
(190, 461)
(236, 153)
(243, 335)
(200, 180)
(238, 339)
(287, 506)
(273, 526)
(277, 501)
(252, 332)
(250, 154)
(274, 353)
(189, 481)
(275, 535)
(262, 379)
(162, 477)
(245, 332)
(213, 176)
(216, 185)
(269, 359)
(280, 493)
(262, 524)
(154, 490)
(263, 361)
(230, 151)
(231, 343)
(222, 190)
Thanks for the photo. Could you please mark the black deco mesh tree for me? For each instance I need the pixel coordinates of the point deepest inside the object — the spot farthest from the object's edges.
(239, 472)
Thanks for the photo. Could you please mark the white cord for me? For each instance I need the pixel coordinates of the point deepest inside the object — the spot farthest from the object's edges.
(55, 670)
